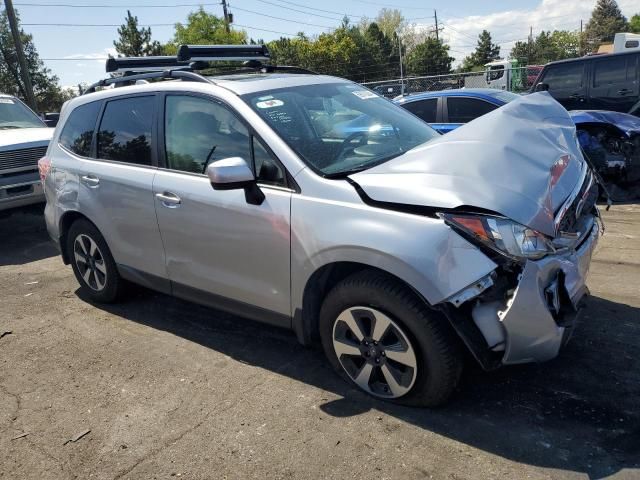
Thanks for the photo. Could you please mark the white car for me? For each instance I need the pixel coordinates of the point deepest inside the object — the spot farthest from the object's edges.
(24, 139)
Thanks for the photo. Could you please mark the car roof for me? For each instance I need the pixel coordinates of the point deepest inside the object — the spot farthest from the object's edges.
(483, 93)
(592, 57)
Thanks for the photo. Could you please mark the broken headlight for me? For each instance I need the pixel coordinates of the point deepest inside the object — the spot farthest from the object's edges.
(502, 235)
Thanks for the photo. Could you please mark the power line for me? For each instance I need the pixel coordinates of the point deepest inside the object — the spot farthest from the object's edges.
(299, 11)
(281, 18)
(76, 5)
(92, 25)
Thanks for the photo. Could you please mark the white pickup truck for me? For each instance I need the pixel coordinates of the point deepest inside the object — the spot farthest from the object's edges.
(24, 138)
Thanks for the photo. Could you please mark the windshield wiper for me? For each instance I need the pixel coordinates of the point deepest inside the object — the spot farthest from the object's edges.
(2, 127)
(346, 173)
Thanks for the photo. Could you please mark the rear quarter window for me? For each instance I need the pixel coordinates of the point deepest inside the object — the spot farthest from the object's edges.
(77, 132)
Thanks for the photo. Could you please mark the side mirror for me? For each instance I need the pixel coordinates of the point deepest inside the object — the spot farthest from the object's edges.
(233, 174)
(542, 87)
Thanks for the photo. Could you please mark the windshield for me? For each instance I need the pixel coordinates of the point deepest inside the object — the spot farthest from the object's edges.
(14, 114)
(341, 128)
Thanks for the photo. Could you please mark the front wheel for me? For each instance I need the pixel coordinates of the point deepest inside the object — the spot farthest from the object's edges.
(382, 338)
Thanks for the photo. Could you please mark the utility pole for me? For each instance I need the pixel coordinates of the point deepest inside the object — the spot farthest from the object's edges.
(581, 47)
(435, 16)
(226, 16)
(400, 54)
(17, 41)
(530, 42)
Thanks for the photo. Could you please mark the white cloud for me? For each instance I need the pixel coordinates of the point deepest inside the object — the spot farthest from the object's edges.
(101, 56)
(507, 27)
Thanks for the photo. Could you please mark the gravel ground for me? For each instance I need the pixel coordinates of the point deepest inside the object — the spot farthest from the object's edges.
(169, 389)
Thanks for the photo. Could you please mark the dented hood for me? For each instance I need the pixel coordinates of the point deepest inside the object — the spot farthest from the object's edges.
(521, 160)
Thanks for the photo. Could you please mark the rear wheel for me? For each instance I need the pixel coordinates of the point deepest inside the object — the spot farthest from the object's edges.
(92, 263)
(382, 338)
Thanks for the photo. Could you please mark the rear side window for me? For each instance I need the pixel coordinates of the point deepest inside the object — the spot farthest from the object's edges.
(463, 110)
(560, 77)
(424, 109)
(78, 130)
(610, 70)
(125, 130)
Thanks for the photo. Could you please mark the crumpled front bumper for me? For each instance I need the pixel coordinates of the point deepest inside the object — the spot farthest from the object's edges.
(533, 331)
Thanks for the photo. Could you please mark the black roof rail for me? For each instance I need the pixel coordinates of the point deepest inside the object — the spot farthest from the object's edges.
(149, 75)
(221, 53)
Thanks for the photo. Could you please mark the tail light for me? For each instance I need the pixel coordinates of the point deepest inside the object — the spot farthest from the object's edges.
(44, 166)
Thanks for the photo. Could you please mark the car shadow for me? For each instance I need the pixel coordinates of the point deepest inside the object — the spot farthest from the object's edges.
(577, 413)
(24, 237)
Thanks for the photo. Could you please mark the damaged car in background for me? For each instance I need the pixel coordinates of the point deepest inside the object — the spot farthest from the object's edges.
(390, 245)
(611, 140)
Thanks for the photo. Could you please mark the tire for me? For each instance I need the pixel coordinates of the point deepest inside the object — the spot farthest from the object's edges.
(417, 361)
(92, 263)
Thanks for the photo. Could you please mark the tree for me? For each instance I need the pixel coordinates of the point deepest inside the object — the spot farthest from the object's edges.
(390, 21)
(430, 57)
(203, 28)
(49, 95)
(134, 41)
(606, 20)
(548, 47)
(634, 23)
(485, 52)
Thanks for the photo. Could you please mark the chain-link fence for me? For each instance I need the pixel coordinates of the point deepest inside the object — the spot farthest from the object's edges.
(512, 79)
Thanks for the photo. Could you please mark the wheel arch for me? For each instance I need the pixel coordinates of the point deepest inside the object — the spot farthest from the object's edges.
(306, 319)
(66, 220)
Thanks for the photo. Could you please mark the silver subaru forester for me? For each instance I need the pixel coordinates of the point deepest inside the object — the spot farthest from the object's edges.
(311, 203)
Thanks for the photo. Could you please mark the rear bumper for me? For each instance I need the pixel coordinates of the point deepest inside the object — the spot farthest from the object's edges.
(540, 315)
(20, 190)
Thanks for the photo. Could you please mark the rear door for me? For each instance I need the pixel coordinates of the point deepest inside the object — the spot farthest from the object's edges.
(115, 187)
(567, 83)
(614, 85)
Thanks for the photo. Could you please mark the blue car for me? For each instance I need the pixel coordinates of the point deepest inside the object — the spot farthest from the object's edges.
(611, 139)
(446, 110)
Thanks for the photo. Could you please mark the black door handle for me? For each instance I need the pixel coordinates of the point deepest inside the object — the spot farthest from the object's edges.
(624, 91)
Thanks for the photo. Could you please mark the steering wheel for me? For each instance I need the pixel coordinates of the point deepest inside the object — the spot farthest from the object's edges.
(346, 144)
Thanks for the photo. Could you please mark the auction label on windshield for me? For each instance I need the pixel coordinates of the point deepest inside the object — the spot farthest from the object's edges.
(364, 94)
(7, 100)
(270, 103)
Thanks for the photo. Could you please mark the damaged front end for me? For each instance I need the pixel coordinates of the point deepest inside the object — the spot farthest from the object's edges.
(525, 310)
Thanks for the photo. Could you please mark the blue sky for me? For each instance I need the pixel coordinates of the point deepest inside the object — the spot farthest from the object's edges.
(462, 20)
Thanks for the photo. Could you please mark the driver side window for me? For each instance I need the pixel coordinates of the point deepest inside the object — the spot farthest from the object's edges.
(199, 131)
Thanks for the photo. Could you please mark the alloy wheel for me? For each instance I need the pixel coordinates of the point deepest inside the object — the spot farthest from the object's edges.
(375, 352)
(90, 262)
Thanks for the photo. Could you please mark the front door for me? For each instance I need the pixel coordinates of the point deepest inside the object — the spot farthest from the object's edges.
(568, 83)
(220, 249)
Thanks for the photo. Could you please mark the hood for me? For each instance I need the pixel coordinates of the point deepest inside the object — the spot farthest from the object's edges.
(14, 138)
(521, 160)
(629, 124)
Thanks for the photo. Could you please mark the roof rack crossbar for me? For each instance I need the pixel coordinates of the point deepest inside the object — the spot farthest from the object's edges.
(142, 64)
(220, 53)
(148, 75)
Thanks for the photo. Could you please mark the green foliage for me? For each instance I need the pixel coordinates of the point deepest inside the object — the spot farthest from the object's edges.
(430, 57)
(134, 41)
(49, 95)
(634, 23)
(203, 28)
(606, 20)
(548, 47)
(486, 51)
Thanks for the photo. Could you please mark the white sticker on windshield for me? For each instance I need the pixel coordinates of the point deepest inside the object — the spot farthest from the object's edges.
(270, 103)
(364, 94)
(7, 100)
